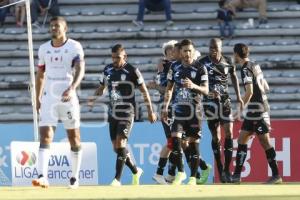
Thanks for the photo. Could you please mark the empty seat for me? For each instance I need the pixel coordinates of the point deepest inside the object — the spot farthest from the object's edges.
(269, 26)
(130, 29)
(14, 31)
(115, 11)
(284, 90)
(291, 73)
(183, 9)
(82, 29)
(108, 29)
(91, 11)
(294, 7)
(277, 7)
(200, 27)
(279, 58)
(69, 12)
(295, 57)
(153, 28)
(139, 60)
(146, 45)
(294, 106)
(262, 42)
(99, 45)
(5, 110)
(290, 25)
(4, 63)
(16, 78)
(20, 62)
(208, 9)
(178, 27)
(9, 47)
(278, 106)
(25, 110)
(286, 42)
(272, 73)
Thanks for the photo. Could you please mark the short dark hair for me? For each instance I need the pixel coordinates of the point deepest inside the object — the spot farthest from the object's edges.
(221, 3)
(117, 47)
(58, 18)
(242, 50)
(186, 42)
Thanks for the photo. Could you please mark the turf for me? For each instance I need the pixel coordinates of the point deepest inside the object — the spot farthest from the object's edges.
(211, 192)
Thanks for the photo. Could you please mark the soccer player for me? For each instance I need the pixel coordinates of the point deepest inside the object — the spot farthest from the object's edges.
(257, 119)
(217, 104)
(60, 70)
(189, 82)
(121, 78)
(160, 84)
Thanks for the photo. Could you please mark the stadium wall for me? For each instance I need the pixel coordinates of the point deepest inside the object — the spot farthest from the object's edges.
(146, 141)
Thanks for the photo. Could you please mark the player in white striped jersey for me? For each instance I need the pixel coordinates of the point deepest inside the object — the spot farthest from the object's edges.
(60, 71)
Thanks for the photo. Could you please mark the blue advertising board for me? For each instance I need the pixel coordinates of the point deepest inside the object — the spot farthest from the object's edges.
(145, 143)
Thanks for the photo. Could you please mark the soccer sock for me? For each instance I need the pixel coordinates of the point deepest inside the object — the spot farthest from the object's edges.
(187, 154)
(217, 154)
(228, 153)
(129, 163)
(172, 166)
(161, 165)
(194, 151)
(240, 158)
(43, 160)
(76, 157)
(121, 158)
(271, 156)
(177, 153)
(202, 164)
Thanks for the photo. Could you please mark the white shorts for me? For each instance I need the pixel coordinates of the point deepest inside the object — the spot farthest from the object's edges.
(53, 110)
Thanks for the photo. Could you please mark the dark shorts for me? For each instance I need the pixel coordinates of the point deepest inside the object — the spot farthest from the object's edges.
(120, 127)
(218, 112)
(188, 128)
(257, 123)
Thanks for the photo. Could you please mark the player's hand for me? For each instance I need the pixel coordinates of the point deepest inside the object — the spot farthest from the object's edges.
(38, 106)
(214, 95)
(237, 116)
(187, 83)
(151, 85)
(152, 117)
(164, 115)
(91, 102)
(67, 94)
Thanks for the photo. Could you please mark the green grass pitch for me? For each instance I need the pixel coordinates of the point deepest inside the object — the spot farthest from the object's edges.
(210, 192)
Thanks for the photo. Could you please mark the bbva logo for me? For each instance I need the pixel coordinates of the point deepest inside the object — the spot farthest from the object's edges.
(26, 158)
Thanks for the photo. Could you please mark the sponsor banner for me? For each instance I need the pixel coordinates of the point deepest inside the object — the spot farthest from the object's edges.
(145, 143)
(24, 159)
(285, 137)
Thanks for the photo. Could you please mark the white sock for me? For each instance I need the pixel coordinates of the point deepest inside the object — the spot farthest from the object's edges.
(76, 163)
(43, 160)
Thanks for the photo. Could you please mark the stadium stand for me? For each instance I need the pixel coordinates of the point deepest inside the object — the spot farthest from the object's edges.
(100, 24)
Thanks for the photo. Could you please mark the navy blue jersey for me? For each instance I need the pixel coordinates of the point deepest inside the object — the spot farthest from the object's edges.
(218, 74)
(251, 74)
(121, 84)
(185, 98)
(161, 77)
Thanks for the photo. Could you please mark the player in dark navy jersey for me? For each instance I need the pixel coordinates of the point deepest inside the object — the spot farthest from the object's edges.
(188, 81)
(160, 84)
(217, 104)
(121, 78)
(257, 119)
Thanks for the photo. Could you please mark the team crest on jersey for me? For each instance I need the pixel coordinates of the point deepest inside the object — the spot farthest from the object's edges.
(193, 74)
(226, 70)
(123, 77)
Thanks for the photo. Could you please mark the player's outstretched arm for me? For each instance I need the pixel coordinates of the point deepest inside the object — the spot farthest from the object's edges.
(99, 92)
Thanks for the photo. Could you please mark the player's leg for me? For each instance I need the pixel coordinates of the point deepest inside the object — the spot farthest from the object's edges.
(176, 130)
(228, 146)
(164, 155)
(241, 151)
(194, 159)
(262, 130)
(46, 137)
(76, 156)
